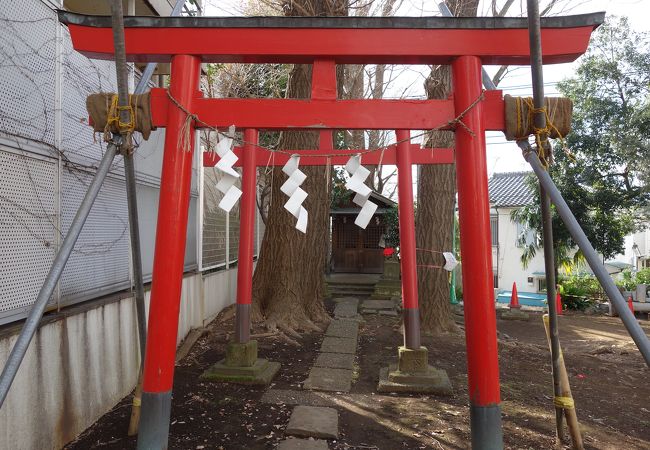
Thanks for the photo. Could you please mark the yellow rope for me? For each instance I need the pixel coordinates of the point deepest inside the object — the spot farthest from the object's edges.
(114, 121)
(541, 134)
(564, 402)
(114, 118)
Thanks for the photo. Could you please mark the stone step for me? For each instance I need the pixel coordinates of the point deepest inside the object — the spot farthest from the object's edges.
(351, 293)
(331, 380)
(314, 421)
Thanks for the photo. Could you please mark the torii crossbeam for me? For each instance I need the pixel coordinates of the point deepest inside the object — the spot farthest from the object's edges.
(464, 43)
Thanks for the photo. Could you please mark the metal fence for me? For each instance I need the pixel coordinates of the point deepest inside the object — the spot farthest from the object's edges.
(48, 154)
(220, 230)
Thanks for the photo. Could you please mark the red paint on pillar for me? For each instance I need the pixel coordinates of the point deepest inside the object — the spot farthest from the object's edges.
(406, 220)
(247, 219)
(474, 217)
(171, 232)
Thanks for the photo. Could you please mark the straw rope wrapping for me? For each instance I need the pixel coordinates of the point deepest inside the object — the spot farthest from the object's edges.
(520, 114)
(104, 111)
(184, 140)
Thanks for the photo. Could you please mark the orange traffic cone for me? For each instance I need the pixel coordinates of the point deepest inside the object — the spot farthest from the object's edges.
(514, 298)
(629, 304)
(558, 304)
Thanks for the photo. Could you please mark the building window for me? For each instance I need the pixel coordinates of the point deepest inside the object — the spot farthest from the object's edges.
(525, 236)
(494, 227)
(541, 285)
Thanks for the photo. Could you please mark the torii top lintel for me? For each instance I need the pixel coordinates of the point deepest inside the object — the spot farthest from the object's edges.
(346, 40)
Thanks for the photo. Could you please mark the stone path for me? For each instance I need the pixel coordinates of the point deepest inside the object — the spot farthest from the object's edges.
(333, 371)
(334, 367)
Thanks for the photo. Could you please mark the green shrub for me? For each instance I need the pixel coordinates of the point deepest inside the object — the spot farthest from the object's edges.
(579, 291)
(643, 277)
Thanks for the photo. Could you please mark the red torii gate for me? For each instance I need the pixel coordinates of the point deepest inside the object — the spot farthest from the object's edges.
(465, 43)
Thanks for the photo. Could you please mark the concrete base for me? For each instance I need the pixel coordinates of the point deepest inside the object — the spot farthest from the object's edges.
(242, 366)
(514, 314)
(431, 381)
(241, 355)
(262, 372)
(412, 373)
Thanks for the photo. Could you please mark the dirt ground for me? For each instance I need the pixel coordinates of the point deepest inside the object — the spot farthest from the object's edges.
(610, 382)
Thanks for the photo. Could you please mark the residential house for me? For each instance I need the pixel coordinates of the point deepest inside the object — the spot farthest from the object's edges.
(508, 192)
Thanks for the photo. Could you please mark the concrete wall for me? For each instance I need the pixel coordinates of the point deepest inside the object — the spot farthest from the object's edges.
(85, 359)
(508, 257)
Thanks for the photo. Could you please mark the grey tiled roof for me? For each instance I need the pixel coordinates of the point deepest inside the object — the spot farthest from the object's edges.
(510, 189)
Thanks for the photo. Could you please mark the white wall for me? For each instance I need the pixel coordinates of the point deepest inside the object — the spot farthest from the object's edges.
(508, 256)
(80, 365)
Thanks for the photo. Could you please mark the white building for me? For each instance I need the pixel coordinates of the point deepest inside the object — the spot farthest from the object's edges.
(640, 252)
(508, 192)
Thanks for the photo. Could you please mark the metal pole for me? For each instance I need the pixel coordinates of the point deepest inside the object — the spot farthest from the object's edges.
(171, 232)
(31, 324)
(476, 248)
(407, 241)
(246, 233)
(536, 68)
(579, 237)
(129, 170)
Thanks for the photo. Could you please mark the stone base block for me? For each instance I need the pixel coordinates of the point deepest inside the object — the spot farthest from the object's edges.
(429, 381)
(514, 314)
(241, 355)
(412, 361)
(261, 372)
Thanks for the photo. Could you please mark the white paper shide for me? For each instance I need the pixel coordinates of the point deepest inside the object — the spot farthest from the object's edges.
(229, 175)
(296, 194)
(358, 175)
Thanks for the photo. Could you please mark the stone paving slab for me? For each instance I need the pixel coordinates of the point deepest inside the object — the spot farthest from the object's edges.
(345, 310)
(347, 301)
(350, 330)
(303, 444)
(314, 421)
(291, 397)
(335, 361)
(338, 345)
(325, 379)
(378, 304)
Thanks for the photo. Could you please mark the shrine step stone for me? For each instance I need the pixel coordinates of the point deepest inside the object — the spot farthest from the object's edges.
(345, 310)
(335, 361)
(338, 345)
(343, 329)
(314, 421)
(327, 379)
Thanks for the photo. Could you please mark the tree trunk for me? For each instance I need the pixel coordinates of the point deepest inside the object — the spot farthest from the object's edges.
(435, 210)
(288, 284)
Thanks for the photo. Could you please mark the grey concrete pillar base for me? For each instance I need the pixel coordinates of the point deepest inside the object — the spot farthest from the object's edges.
(412, 373)
(487, 433)
(260, 373)
(241, 354)
(242, 366)
(153, 432)
(514, 314)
